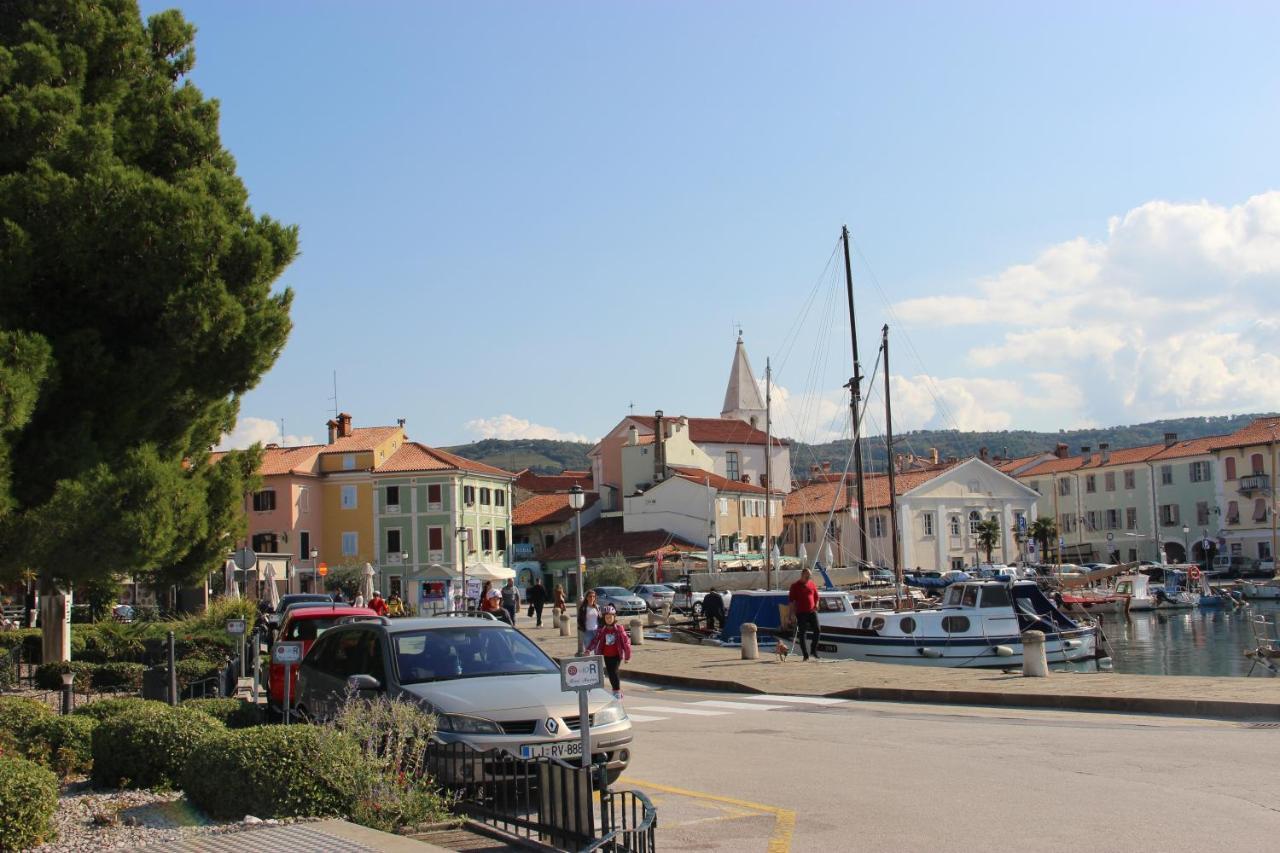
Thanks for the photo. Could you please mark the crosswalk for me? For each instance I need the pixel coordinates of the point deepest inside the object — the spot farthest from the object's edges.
(664, 706)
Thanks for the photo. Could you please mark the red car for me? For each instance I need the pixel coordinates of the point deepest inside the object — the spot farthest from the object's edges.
(305, 624)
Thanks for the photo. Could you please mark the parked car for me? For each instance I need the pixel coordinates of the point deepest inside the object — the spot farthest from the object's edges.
(1239, 566)
(488, 684)
(655, 594)
(275, 618)
(687, 601)
(626, 602)
(305, 623)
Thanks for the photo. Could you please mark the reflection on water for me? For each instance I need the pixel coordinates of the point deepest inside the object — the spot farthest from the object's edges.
(1185, 642)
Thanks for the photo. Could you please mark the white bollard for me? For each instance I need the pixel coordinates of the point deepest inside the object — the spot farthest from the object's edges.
(637, 632)
(564, 624)
(1034, 662)
(750, 650)
(666, 612)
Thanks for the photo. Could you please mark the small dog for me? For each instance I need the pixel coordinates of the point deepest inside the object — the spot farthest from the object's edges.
(781, 651)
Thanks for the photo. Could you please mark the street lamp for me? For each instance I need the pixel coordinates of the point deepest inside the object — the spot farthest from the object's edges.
(576, 500)
(315, 557)
(1186, 543)
(463, 536)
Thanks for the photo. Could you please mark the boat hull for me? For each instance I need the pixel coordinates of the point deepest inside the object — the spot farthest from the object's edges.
(969, 652)
(1262, 591)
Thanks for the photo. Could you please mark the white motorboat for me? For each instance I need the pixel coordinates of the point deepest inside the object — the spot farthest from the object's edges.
(1143, 595)
(1266, 590)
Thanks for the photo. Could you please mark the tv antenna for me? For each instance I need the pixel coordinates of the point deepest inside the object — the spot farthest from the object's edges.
(334, 398)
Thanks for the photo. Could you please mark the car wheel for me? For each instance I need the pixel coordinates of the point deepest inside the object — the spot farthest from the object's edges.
(697, 608)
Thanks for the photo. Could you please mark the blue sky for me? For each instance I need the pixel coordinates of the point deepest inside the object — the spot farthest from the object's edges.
(519, 218)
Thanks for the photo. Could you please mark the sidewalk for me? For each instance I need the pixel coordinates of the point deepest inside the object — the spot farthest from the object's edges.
(326, 836)
(717, 668)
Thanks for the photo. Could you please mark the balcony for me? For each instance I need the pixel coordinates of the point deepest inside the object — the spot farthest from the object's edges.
(1255, 483)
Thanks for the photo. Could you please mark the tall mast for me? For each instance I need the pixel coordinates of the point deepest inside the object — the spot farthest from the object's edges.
(893, 464)
(768, 475)
(855, 397)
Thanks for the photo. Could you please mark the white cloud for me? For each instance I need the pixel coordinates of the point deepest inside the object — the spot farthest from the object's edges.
(509, 426)
(1172, 313)
(249, 431)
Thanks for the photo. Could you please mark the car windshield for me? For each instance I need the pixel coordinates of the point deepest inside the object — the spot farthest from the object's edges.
(308, 629)
(467, 651)
(612, 591)
(289, 600)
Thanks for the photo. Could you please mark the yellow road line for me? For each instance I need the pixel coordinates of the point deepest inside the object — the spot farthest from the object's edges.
(784, 820)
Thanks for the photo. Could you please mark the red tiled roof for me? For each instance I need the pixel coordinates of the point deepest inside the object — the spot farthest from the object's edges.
(1261, 431)
(720, 484)
(289, 460)
(1194, 447)
(546, 484)
(412, 456)
(1007, 465)
(548, 509)
(361, 438)
(606, 536)
(820, 496)
(716, 430)
(1121, 456)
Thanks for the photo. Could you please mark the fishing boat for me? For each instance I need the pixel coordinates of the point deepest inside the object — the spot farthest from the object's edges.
(1144, 595)
(978, 624)
(1096, 601)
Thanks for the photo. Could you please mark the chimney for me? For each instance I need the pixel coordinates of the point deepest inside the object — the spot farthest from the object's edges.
(933, 455)
(400, 422)
(745, 478)
(659, 447)
(1170, 439)
(333, 431)
(633, 435)
(984, 454)
(1061, 450)
(814, 470)
(826, 467)
(344, 425)
(1104, 448)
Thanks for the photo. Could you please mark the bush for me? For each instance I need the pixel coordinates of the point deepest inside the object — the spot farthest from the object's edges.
(10, 640)
(20, 720)
(114, 642)
(273, 772)
(148, 746)
(117, 674)
(66, 744)
(28, 799)
(613, 570)
(104, 709)
(192, 670)
(49, 675)
(233, 713)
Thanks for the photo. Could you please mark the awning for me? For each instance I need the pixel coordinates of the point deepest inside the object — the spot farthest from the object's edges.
(489, 572)
(440, 572)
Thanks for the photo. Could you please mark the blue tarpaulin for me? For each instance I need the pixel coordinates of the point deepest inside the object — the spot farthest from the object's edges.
(760, 608)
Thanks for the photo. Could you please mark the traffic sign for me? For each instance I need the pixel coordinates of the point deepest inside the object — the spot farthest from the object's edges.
(1062, 541)
(586, 673)
(235, 626)
(1111, 537)
(245, 558)
(322, 569)
(288, 653)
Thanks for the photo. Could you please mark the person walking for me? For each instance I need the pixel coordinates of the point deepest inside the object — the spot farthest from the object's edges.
(713, 609)
(537, 600)
(613, 644)
(359, 602)
(588, 618)
(377, 605)
(510, 600)
(804, 611)
(558, 603)
(489, 599)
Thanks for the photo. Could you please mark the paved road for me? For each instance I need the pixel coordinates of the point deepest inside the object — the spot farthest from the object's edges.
(766, 773)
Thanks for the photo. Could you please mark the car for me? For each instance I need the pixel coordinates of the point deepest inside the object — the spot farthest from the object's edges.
(688, 601)
(276, 617)
(624, 601)
(488, 685)
(305, 623)
(655, 594)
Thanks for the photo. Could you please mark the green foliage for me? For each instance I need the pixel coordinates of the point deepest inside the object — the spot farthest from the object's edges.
(191, 670)
(233, 713)
(20, 721)
(148, 746)
(49, 675)
(988, 535)
(28, 799)
(347, 577)
(273, 772)
(613, 570)
(1044, 530)
(66, 744)
(540, 455)
(115, 641)
(119, 206)
(103, 709)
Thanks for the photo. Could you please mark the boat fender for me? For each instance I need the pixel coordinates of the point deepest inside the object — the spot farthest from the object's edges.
(1071, 644)
(930, 653)
(1003, 651)
(1104, 664)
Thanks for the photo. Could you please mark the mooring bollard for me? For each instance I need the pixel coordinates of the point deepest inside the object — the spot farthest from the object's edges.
(750, 651)
(666, 612)
(564, 624)
(637, 632)
(1034, 662)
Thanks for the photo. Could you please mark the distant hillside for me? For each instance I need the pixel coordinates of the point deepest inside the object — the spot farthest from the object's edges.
(543, 456)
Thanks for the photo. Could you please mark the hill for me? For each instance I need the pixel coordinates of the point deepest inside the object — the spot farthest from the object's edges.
(541, 455)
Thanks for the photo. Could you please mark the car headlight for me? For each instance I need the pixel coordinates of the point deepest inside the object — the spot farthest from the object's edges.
(461, 724)
(610, 714)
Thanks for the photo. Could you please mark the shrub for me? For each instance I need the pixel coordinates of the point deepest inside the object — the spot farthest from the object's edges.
(66, 744)
(49, 675)
(104, 709)
(28, 799)
(233, 713)
(192, 670)
(118, 674)
(20, 720)
(273, 772)
(10, 640)
(115, 642)
(148, 746)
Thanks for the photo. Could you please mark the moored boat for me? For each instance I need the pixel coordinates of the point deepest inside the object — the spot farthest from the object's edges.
(1266, 590)
(1144, 595)
(1096, 601)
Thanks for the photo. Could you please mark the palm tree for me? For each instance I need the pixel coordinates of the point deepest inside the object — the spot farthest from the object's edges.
(1044, 530)
(988, 535)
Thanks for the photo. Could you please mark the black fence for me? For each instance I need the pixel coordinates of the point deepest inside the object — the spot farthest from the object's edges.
(542, 800)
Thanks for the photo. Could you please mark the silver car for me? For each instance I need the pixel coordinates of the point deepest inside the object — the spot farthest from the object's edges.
(655, 594)
(489, 686)
(624, 601)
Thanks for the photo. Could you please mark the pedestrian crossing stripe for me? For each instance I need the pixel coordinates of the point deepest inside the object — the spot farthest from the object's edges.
(738, 706)
(677, 709)
(798, 700)
(641, 718)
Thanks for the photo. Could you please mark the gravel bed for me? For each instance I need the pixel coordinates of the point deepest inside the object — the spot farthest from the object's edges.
(92, 819)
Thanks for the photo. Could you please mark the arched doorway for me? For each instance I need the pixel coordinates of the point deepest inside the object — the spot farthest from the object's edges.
(1174, 552)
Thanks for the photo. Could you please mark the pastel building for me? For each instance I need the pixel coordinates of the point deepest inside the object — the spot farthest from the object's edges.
(1245, 488)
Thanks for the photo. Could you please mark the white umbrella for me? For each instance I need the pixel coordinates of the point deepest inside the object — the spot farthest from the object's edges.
(231, 589)
(269, 578)
(366, 588)
(489, 572)
(826, 555)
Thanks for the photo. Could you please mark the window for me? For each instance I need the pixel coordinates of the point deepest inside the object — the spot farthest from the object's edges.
(304, 499)
(927, 520)
(484, 496)
(724, 506)
(1109, 481)
(548, 540)
(1230, 464)
(1113, 519)
(434, 497)
(1200, 472)
(350, 544)
(877, 526)
(955, 624)
(833, 530)
(1255, 462)
(955, 525)
(1130, 480)
(1091, 483)
(996, 596)
(725, 546)
(731, 465)
(348, 497)
(499, 497)
(435, 538)
(1064, 487)
(1264, 550)
(1091, 519)
(1131, 518)
(1019, 520)
(304, 545)
(264, 543)
(975, 518)
(907, 625)
(393, 541)
(1260, 509)
(808, 531)
(1166, 475)
(393, 496)
(1067, 523)
(957, 564)
(1169, 515)
(1202, 512)
(1233, 512)
(500, 535)
(264, 501)
(486, 539)
(1035, 486)
(348, 461)
(468, 495)
(1133, 555)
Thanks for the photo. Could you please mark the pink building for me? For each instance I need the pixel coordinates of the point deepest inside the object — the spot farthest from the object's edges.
(285, 516)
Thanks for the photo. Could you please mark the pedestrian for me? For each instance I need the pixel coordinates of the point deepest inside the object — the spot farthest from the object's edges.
(588, 617)
(339, 598)
(359, 601)
(559, 603)
(395, 605)
(613, 644)
(713, 609)
(377, 605)
(537, 600)
(511, 600)
(489, 598)
(804, 611)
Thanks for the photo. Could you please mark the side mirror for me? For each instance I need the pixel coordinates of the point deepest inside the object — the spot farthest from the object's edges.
(363, 683)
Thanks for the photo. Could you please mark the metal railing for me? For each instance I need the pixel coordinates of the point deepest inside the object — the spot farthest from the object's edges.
(628, 822)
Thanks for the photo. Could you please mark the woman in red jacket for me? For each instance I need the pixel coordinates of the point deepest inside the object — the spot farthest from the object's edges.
(614, 644)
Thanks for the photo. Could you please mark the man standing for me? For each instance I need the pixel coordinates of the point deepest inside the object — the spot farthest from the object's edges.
(713, 609)
(804, 609)
(510, 600)
(537, 600)
(377, 605)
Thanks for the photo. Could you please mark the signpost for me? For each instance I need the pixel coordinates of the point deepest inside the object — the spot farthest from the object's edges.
(235, 627)
(244, 558)
(583, 674)
(289, 655)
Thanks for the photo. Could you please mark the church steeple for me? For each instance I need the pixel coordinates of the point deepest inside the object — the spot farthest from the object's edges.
(742, 400)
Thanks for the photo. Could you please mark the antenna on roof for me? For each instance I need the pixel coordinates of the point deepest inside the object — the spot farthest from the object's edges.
(334, 398)
(282, 441)
(632, 407)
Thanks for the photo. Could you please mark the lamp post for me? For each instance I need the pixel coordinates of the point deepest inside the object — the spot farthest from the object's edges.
(315, 558)
(576, 500)
(404, 563)
(463, 536)
(1186, 543)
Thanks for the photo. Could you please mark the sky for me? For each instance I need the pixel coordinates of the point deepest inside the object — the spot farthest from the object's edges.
(521, 219)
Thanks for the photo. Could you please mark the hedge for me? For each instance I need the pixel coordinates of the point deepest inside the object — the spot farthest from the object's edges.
(233, 713)
(20, 719)
(66, 744)
(274, 772)
(148, 746)
(103, 709)
(28, 799)
(49, 675)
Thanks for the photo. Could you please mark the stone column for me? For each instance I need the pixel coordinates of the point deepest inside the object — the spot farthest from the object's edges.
(750, 649)
(942, 533)
(1034, 662)
(637, 632)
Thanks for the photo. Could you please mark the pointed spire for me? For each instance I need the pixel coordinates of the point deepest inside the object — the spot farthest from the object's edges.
(742, 398)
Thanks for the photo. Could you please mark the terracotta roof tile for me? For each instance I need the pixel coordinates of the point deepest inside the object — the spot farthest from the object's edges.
(716, 430)
(1261, 431)
(548, 509)
(1194, 447)
(546, 484)
(289, 460)
(820, 496)
(412, 456)
(361, 438)
(606, 536)
(720, 484)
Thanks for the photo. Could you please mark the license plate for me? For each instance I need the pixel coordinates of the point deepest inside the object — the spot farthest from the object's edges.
(560, 749)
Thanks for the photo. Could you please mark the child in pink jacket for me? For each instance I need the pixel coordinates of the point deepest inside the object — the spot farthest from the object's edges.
(614, 644)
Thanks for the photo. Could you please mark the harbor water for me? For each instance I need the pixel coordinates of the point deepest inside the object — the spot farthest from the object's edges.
(1185, 642)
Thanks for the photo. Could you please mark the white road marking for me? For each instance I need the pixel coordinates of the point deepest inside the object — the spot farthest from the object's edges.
(676, 709)
(641, 718)
(799, 700)
(738, 706)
